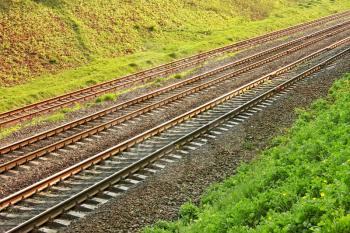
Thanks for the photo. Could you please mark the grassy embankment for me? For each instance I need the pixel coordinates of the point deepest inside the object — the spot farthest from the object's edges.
(61, 114)
(300, 184)
(63, 45)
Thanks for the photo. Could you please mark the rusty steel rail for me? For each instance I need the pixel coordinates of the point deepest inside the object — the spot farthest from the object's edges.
(148, 74)
(43, 184)
(102, 113)
(87, 193)
(79, 136)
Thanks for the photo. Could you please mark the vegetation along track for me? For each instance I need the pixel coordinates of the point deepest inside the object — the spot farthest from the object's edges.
(30, 111)
(26, 150)
(109, 173)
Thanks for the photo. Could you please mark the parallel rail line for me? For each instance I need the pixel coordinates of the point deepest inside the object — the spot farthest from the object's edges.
(46, 106)
(221, 109)
(12, 199)
(80, 135)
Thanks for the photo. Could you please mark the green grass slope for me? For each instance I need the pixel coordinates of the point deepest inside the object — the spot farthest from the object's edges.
(301, 184)
(54, 46)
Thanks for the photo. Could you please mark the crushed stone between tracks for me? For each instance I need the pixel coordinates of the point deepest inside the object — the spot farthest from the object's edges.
(160, 196)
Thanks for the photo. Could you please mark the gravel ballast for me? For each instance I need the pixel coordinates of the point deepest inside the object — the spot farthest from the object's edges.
(160, 196)
(26, 177)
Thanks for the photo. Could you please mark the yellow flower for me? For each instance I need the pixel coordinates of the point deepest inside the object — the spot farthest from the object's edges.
(284, 194)
(322, 194)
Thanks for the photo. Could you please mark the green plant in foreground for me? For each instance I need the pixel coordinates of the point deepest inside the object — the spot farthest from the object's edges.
(301, 184)
(189, 212)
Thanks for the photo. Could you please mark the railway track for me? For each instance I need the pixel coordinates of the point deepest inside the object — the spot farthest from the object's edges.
(81, 188)
(26, 150)
(46, 106)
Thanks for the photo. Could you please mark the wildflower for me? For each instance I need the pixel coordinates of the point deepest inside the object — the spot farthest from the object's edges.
(322, 194)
